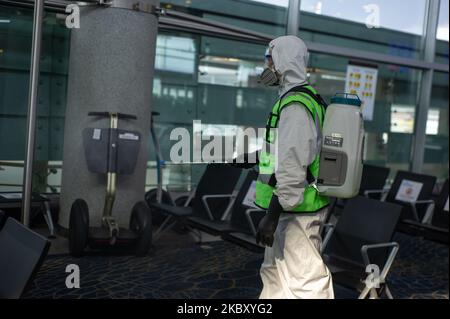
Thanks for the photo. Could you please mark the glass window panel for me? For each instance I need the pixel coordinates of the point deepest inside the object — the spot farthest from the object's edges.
(436, 145)
(175, 82)
(442, 31)
(216, 81)
(178, 176)
(257, 15)
(373, 26)
(229, 92)
(442, 54)
(230, 95)
(396, 86)
(15, 55)
(433, 122)
(175, 54)
(361, 11)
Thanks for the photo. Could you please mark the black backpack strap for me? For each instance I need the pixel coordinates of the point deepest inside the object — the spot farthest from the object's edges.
(302, 89)
(310, 179)
(319, 100)
(316, 97)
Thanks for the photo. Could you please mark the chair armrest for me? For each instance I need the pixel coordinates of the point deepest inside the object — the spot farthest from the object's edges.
(171, 187)
(429, 213)
(429, 201)
(428, 217)
(382, 192)
(390, 260)
(190, 197)
(205, 199)
(248, 214)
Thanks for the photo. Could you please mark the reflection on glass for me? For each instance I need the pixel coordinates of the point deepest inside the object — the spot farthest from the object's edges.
(436, 143)
(15, 51)
(229, 71)
(373, 26)
(442, 31)
(402, 119)
(265, 16)
(364, 12)
(278, 3)
(240, 139)
(396, 87)
(433, 122)
(175, 54)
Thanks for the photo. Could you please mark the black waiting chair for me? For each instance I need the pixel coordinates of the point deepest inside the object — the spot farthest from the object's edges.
(435, 224)
(362, 237)
(247, 216)
(22, 252)
(412, 191)
(41, 202)
(247, 239)
(439, 218)
(373, 177)
(234, 219)
(211, 199)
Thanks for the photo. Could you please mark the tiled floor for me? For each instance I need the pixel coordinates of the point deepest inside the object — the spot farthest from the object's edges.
(179, 268)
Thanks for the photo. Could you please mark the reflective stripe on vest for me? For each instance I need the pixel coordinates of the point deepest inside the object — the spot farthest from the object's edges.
(265, 186)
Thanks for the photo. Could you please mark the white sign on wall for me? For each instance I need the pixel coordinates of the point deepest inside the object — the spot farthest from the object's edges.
(446, 206)
(409, 191)
(362, 80)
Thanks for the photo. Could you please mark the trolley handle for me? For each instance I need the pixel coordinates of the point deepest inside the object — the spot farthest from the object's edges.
(347, 95)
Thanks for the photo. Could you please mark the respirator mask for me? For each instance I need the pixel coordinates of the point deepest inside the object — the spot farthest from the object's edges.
(269, 76)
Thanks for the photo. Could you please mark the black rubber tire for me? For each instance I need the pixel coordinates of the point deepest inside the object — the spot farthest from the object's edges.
(78, 228)
(141, 224)
(150, 197)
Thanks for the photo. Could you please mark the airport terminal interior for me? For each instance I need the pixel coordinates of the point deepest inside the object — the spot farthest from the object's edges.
(137, 223)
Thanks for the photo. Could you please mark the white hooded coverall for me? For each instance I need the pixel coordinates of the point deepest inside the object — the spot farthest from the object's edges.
(293, 267)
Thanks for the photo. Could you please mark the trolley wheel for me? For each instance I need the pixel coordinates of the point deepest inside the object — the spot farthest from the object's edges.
(141, 224)
(78, 228)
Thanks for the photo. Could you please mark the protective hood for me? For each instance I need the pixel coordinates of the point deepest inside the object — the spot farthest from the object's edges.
(290, 57)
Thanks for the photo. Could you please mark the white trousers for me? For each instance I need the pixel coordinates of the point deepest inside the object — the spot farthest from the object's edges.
(293, 267)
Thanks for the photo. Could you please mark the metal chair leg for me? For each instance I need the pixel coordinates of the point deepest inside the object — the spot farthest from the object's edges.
(49, 220)
(364, 293)
(388, 293)
(158, 232)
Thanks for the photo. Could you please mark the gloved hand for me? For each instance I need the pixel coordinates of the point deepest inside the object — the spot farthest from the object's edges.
(245, 161)
(269, 223)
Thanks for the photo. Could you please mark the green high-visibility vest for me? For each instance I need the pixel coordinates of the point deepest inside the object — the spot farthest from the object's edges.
(265, 186)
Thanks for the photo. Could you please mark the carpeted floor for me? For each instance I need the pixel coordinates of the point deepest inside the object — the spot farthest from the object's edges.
(221, 270)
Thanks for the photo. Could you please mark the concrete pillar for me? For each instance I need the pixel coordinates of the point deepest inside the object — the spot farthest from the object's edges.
(111, 69)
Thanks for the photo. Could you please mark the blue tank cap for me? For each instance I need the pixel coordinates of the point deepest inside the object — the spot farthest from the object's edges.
(347, 99)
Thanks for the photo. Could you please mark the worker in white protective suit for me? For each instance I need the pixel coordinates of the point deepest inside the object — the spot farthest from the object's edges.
(288, 169)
